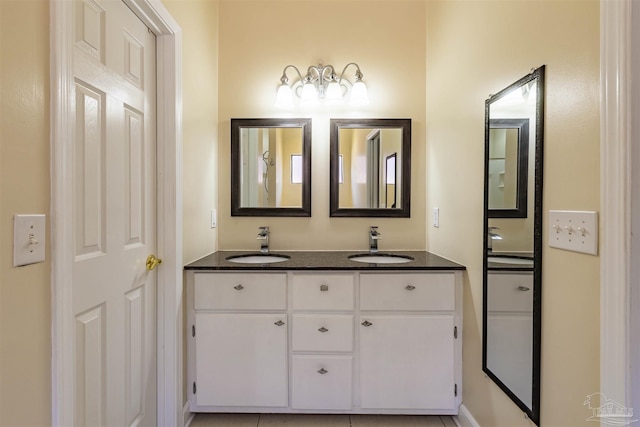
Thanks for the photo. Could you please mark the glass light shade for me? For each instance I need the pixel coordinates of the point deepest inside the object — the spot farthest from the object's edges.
(284, 97)
(359, 95)
(333, 92)
(309, 94)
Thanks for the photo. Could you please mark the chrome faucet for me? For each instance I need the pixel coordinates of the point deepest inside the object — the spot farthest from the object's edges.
(374, 236)
(263, 236)
(491, 236)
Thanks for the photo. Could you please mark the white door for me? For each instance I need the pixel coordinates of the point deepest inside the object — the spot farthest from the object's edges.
(114, 217)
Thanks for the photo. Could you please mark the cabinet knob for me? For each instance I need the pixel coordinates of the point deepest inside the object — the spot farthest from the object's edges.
(323, 330)
(366, 323)
(409, 287)
(324, 288)
(238, 287)
(523, 288)
(322, 371)
(279, 323)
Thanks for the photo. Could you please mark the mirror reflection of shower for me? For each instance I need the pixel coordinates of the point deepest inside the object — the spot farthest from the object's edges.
(267, 167)
(254, 175)
(265, 173)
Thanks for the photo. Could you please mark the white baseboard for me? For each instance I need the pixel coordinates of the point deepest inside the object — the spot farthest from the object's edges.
(187, 415)
(464, 418)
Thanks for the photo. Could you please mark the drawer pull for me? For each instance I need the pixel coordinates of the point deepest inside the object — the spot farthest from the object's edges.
(523, 288)
(323, 330)
(324, 288)
(238, 287)
(322, 371)
(409, 287)
(366, 323)
(279, 323)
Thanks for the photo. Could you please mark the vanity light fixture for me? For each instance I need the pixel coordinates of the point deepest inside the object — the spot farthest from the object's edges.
(321, 83)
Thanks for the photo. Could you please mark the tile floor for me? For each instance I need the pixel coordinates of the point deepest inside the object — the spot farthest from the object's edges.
(299, 420)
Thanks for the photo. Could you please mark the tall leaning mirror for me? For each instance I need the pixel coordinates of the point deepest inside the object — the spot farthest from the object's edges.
(370, 166)
(271, 167)
(512, 267)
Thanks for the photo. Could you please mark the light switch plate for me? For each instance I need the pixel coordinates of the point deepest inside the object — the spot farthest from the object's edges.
(214, 218)
(574, 231)
(29, 238)
(436, 217)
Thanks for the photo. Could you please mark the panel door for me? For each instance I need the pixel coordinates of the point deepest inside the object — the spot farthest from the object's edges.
(407, 362)
(241, 360)
(114, 217)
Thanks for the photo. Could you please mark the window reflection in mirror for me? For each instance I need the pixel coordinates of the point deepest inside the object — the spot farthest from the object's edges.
(370, 162)
(270, 167)
(390, 180)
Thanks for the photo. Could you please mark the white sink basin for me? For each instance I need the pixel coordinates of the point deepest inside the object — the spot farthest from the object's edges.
(527, 262)
(380, 258)
(258, 258)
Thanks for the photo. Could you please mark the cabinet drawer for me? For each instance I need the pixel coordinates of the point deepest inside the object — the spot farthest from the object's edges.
(321, 382)
(433, 291)
(242, 291)
(322, 332)
(510, 292)
(323, 292)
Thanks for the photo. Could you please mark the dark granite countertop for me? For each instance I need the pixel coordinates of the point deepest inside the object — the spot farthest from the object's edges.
(324, 260)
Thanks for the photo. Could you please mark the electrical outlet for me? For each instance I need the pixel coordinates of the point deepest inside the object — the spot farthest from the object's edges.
(575, 231)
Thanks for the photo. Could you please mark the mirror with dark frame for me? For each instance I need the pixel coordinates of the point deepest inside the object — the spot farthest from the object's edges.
(508, 167)
(370, 168)
(270, 167)
(512, 262)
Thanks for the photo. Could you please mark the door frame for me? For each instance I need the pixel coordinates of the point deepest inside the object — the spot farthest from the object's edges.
(619, 203)
(169, 206)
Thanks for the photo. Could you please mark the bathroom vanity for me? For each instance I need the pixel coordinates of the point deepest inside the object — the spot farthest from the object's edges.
(322, 333)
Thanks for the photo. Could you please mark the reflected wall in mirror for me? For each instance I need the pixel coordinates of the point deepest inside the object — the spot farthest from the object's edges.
(271, 167)
(508, 167)
(370, 167)
(512, 267)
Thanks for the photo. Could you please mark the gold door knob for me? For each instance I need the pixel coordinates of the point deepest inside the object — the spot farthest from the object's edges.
(152, 262)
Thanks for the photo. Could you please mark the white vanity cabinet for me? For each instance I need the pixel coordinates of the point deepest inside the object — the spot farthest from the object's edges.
(239, 328)
(322, 340)
(325, 341)
(408, 339)
(510, 329)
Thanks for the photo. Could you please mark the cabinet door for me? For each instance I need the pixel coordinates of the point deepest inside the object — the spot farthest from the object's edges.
(407, 362)
(241, 360)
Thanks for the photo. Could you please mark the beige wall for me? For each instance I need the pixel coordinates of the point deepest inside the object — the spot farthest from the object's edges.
(25, 297)
(258, 39)
(475, 48)
(199, 22)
